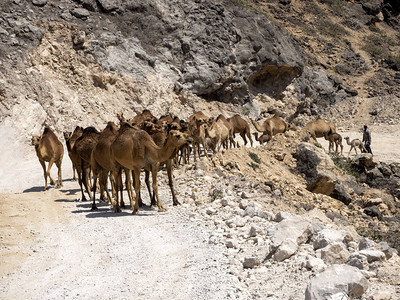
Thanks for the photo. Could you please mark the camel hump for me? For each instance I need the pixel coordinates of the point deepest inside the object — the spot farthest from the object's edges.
(90, 129)
(46, 130)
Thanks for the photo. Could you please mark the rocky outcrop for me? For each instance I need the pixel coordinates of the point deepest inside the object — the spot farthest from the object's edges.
(319, 170)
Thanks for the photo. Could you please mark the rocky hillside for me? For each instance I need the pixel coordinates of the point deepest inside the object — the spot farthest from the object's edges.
(68, 62)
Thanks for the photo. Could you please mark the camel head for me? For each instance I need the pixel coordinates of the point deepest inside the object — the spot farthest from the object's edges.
(179, 138)
(35, 140)
(121, 118)
(112, 127)
(67, 135)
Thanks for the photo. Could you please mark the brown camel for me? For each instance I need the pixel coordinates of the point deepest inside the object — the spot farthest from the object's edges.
(100, 160)
(264, 138)
(335, 139)
(135, 149)
(242, 127)
(83, 150)
(271, 126)
(49, 149)
(319, 128)
(70, 139)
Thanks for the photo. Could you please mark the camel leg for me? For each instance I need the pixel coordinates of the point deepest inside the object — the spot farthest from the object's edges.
(73, 172)
(58, 164)
(118, 182)
(128, 184)
(80, 177)
(85, 178)
(244, 138)
(171, 184)
(52, 181)
(250, 138)
(137, 189)
(147, 181)
(42, 163)
(154, 171)
(94, 207)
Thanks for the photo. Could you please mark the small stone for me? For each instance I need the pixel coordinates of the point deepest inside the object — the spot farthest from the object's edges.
(231, 243)
(39, 2)
(250, 262)
(280, 216)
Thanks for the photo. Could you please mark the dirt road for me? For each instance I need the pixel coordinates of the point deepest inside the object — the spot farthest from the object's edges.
(55, 247)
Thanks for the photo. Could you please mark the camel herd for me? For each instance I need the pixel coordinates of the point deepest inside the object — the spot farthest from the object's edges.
(147, 143)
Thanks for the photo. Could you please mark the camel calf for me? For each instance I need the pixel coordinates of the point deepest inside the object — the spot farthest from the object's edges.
(356, 143)
(335, 139)
(49, 149)
(264, 138)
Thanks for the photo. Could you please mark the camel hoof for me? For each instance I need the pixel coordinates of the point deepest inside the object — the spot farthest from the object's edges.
(52, 182)
(94, 207)
(135, 211)
(117, 209)
(176, 203)
(161, 209)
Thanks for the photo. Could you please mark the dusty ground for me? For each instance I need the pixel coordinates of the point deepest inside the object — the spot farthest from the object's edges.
(52, 246)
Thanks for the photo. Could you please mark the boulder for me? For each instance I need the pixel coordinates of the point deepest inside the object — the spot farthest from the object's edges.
(285, 250)
(316, 264)
(335, 253)
(366, 243)
(373, 255)
(358, 260)
(328, 236)
(341, 280)
(287, 235)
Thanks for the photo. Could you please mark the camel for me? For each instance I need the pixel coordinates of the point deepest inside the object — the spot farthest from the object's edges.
(229, 126)
(100, 160)
(319, 128)
(83, 150)
(271, 126)
(242, 127)
(264, 138)
(70, 139)
(135, 149)
(49, 149)
(335, 139)
(356, 143)
(160, 139)
(218, 134)
(197, 126)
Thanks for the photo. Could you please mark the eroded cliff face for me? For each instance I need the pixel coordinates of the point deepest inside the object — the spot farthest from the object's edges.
(67, 62)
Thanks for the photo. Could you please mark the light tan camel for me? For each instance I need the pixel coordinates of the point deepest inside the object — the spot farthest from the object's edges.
(264, 138)
(242, 127)
(49, 149)
(160, 139)
(335, 139)
(135, 149)
(197, 126)
(218, 134)
(83, 150)
(228, 125)
(319, 128)
(354, 144)
(271, 126)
